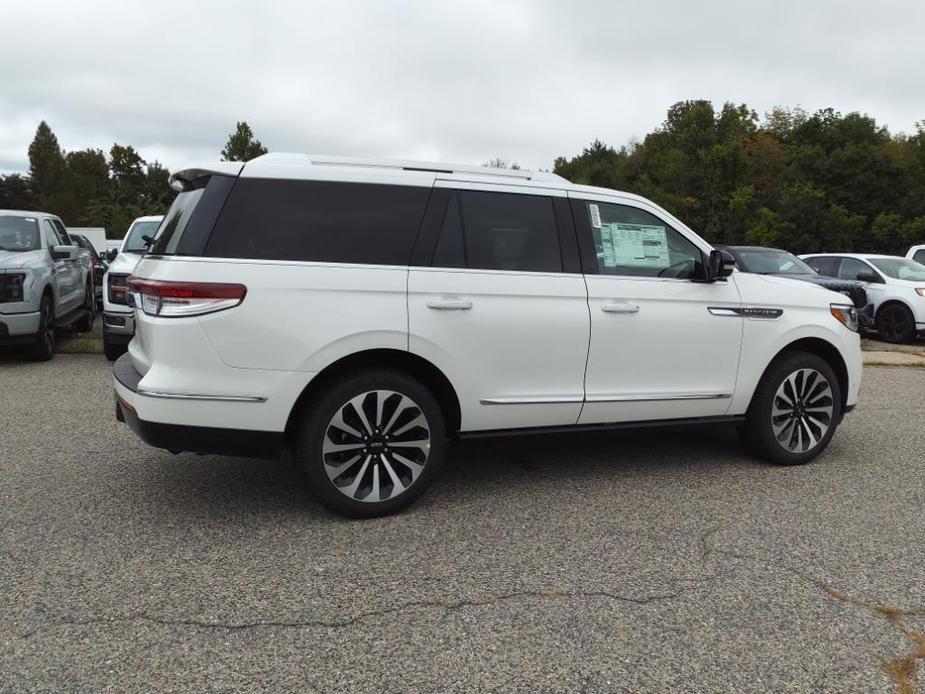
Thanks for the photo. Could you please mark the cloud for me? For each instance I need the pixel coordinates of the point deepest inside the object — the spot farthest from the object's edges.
(527, 80)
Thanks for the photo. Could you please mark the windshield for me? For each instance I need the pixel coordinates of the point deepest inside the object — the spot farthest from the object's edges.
(900, 268)
(19, 234)
(766, 262)
(133, 242)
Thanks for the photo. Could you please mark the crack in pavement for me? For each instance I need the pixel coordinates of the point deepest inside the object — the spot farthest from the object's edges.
(341, 623)
(903, 668)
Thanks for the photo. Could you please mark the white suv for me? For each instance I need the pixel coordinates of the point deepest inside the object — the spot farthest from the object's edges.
(362, 312)
(895, 287)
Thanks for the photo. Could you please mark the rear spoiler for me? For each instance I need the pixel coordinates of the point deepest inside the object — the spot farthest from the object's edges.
(181, 179)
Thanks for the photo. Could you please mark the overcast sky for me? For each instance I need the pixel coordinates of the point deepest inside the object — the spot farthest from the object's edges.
(527, 80)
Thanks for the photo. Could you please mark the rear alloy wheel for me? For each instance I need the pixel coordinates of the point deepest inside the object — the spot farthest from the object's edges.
(895, 323)
(371, 445)
(43, 348)
(795, 410)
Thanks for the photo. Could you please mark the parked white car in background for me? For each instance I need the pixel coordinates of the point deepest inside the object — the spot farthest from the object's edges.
(895, 286)
(917, 253)
(361, 312)
(118, 318)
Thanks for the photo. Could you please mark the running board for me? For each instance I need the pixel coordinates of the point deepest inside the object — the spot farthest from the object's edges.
(606, 426)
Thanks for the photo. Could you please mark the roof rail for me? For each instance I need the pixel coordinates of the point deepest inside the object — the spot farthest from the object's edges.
(403, 165)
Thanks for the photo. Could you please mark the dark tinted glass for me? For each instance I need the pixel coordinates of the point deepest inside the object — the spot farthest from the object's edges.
(919, 256)
(319, 221)
(174, 223)
(506, 231)
(850, 268)
(450, 250)
(824, 266)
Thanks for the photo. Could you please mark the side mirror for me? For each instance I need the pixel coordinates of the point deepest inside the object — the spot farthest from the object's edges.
(720, 265)
(869, 277)
(111, 254)
(64, 252)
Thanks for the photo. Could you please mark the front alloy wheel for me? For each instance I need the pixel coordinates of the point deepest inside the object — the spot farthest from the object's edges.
(802, 411)
(794, 411)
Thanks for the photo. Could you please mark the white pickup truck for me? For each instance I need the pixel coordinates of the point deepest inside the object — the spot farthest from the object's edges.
(118, 320)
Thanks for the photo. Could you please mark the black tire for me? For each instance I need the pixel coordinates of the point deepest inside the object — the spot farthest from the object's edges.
(85, 323)
(112, 350)
(334, 400)
(758, 432)
(43, 349)
(895, 323)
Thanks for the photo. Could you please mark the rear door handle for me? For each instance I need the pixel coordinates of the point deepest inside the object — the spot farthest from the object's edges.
(620, 307)
(449, 304)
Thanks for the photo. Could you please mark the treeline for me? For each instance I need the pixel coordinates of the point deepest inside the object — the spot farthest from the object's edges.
(90, 188)
(805, 183)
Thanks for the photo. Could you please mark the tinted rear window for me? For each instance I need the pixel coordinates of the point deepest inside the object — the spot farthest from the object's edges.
(320, 221)
(499, 231)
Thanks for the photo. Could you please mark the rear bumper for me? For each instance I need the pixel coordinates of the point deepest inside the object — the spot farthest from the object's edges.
(18, 328)
(181, 437)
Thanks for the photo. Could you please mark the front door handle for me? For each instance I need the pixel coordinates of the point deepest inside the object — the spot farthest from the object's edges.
(620, 307)
(449, 304)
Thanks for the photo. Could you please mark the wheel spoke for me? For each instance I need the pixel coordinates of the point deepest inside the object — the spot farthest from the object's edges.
(410, 464)
(357, 403)
(376, 493)
(335, 470)
(418, 421)
(809, 434)
(423, 444)
(351, 490)
(331, 447)
(402, 406)
(338, 422)
(397, 486)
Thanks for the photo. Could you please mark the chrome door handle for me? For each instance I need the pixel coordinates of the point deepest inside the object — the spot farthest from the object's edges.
(620, 307)
(448, 304)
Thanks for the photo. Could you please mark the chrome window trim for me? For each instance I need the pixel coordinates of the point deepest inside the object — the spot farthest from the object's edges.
(633, 397)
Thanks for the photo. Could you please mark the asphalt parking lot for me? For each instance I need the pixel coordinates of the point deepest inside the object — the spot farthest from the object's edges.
(647, 562)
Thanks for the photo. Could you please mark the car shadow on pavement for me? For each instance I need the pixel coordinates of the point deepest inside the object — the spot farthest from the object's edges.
(220, 488)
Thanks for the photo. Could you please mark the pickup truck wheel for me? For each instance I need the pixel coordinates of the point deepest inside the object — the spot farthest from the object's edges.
(372, 444)
(895, 323)
(110, 349)
(43, 348)
(85, 324)
(795, 410)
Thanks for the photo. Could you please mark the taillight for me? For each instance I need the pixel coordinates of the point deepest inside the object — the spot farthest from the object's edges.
(178, 299)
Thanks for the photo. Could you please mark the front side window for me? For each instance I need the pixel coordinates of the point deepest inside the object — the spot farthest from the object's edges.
(51, 235)
(919, 256)
(499, 231)
(900, 268)
(19, 234)
(850, 268)
(630, 241)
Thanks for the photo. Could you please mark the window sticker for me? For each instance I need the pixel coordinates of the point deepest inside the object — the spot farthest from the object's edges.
(634, 245)
(595, 215)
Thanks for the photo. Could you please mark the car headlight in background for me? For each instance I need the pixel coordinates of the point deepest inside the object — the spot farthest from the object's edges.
(920, 291)
(12, 287)
(846, 315)
(118, 288)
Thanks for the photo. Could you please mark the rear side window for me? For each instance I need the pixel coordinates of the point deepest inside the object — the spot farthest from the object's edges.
(824, 266)
(919, 256)
(320, 221)
(499, 231)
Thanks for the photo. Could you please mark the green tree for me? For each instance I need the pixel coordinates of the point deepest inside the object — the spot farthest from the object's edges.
(242, 145)
(16, 193)
(48, 174)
